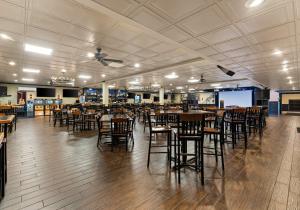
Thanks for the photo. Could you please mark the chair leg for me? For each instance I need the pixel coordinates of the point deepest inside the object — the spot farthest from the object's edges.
(178, 162)
(149, 150)
(202, 162)
(221, 148)
(245, 135)
(216, 148)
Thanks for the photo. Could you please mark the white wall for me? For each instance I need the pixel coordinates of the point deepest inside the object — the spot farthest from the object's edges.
(131, 101)
(12, 89)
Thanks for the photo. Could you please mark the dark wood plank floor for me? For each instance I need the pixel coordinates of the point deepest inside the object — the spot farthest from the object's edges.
(49, 169)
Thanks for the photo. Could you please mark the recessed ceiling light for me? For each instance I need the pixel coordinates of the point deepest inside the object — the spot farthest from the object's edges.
(137, 65)
(179, 88)
(215, 85)
(253, 3)
(15, 80)
(36, 71)
(291, 82)
(192, 89)
(135, 82)
(6, 37)
(193, 80)
(111, 86)
(84, 81)
(12, 63)
(38, 49)
(285, 62)
(155, 85)
(28, 79)
(289, 77)
(81, 76)
(116, 65)
(285, 68)
(171, 76)
(15, 75)
(277, 52)
(63, 70)
(171, 84)
(90, 55)
(103, 75)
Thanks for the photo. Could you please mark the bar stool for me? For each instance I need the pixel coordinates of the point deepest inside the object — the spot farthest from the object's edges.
(158, 125)
(217, 132)
(189, 129)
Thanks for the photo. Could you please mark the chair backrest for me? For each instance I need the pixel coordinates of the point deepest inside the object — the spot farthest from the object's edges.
(190, 124)
(119, 126)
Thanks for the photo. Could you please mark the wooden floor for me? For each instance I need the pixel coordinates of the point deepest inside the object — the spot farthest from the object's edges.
(49, 169)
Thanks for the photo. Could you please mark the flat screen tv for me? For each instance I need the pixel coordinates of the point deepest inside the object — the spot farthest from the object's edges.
(131, 95)
(3, 91)
(156, 99)
(166, 96)
(146, 95)
(45, 92)
(70, 93)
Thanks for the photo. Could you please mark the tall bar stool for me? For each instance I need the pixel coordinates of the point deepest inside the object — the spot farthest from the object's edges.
(255, 120)
(158, 125)
(239, 125)
(217, 132)
(189, 129)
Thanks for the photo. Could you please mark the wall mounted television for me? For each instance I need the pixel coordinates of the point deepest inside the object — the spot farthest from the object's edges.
(70, 93)
(45, 92)
(166, 96)
(131, 95)
(156, 99)
(3, 91)
(146, 95)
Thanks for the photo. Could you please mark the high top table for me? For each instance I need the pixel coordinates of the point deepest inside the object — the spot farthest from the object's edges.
(5, 120)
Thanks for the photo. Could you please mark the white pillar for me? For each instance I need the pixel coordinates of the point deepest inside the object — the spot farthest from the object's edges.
(105, 94)
(161, 96)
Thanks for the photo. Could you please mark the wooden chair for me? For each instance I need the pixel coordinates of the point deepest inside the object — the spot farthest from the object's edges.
(119, 130)
(103, 130)
(157, 125)
(217, 132)
(190, 129)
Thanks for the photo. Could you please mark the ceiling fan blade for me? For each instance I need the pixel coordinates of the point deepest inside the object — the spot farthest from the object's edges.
(113, 60)
(103, 55)
(104, 63)
(226, 71)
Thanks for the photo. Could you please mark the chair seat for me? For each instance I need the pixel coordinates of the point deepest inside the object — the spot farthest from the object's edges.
(211, 130)
(160, 128)
(210, 119)
(104, 130)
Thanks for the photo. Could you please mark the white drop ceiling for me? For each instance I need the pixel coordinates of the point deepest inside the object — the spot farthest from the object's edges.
(164, 36)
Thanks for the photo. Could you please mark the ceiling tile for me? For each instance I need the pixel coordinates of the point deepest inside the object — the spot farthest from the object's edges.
(122, 7)
(176, 34)
(149, 19)
(177, 9)
(194, 44)
(204, 21)
(125, 32)
(12, 12)
(162, 47)
(272, 18)
(144, 41)
(207, 51)
(231, 45)
(221, 35)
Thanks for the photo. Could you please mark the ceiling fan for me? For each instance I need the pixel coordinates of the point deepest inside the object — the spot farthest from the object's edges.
(101, 57)
(202, 79)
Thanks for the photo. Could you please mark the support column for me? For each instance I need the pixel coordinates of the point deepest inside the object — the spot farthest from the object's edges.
(105, 94)
(161, 96)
